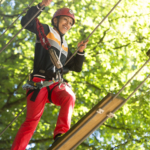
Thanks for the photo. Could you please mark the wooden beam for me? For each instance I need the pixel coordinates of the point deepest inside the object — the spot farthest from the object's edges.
(89, 123)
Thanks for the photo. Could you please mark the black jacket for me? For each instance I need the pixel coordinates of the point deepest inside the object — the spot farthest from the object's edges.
(42, 59)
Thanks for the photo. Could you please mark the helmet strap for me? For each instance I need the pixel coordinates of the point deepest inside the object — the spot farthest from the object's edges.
(57, 27)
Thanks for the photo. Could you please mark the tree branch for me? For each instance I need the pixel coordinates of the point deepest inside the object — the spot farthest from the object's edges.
(85, 82)
(113, 148)
(40, 140)
(119, 47)
(101, 39)
(112, 127)
(9, 105)
(87, 145)
(9, 16)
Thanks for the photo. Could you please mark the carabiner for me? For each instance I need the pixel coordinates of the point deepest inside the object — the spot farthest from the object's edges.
(63, 83)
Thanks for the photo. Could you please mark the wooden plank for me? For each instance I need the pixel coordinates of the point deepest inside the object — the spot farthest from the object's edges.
(90, 122)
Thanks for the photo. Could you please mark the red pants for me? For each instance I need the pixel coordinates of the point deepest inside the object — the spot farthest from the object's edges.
(60, 97)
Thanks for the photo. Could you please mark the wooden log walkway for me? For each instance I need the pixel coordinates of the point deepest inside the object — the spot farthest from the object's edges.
(89, 123)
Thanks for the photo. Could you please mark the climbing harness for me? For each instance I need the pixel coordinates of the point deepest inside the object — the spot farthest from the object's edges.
(30, 85)
(56, 77)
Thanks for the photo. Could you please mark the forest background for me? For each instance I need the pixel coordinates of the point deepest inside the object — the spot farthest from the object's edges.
(114, 53)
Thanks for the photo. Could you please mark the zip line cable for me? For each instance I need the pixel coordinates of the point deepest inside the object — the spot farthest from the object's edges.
(95, 29)
(22, 28)
(132, 93)
(17, 19)
(127, 82)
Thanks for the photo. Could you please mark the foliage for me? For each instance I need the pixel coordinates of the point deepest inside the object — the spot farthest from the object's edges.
(115, 52)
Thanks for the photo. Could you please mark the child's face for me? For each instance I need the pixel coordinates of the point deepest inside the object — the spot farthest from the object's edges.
(65, 23)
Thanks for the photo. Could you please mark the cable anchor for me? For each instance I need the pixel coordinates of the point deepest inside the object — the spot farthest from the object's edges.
(100, 111)
(110, 115)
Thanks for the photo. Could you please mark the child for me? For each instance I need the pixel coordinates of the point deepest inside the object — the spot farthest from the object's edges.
(44, 70)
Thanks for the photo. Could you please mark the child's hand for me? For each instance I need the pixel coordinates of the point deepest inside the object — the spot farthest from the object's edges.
(45, 2)
(82, 45)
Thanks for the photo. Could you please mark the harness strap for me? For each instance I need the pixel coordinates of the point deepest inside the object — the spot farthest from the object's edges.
(50, 92)
(30, 91)
(34, 95)
(36, 91)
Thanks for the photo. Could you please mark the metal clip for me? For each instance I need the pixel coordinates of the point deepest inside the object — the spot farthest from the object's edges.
(59, 77)
(60, 80)
(110, 115)
(28, 87)
(63, 83)
(100, 111)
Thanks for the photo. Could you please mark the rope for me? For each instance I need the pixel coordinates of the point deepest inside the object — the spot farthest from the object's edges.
(132, 93)
(17, 18)
(22, 28)
(12, 121)
(43, 38)
(95, 29)
(127, 83)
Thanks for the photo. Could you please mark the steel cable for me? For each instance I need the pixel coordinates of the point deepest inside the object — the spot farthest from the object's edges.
(22, 28)
(95, 29)
(132, 93)
(127, 83)
(16, 19)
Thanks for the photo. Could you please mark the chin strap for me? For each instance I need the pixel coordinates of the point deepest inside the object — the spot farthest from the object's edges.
(57, 27)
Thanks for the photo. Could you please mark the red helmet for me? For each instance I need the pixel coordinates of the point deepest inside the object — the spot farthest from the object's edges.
(64, 12)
